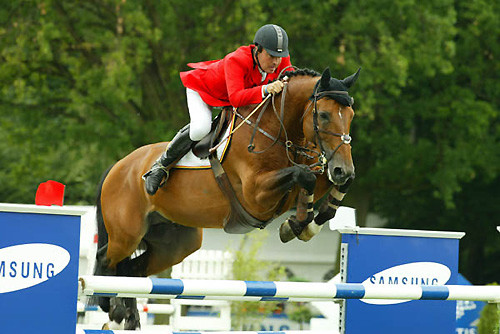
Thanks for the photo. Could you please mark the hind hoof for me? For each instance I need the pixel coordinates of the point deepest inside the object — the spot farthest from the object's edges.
(132, 322)
(117, 313)
(112, 325)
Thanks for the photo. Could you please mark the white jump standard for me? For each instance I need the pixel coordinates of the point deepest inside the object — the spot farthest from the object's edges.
(273, 291)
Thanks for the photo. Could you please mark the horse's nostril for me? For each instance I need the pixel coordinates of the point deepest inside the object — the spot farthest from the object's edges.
(337, 171)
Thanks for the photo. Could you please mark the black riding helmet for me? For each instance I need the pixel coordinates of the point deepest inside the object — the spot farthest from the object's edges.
(274, 39)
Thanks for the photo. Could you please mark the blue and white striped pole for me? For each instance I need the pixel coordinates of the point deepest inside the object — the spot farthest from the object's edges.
(100, 331)
(277, 291)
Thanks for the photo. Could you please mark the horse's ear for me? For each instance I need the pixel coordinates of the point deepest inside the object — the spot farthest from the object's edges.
(350, 80)
(325, 78)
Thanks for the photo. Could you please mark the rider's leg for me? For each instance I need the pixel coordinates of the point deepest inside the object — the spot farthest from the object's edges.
(200, 115)
(201, 121)
(180, 145)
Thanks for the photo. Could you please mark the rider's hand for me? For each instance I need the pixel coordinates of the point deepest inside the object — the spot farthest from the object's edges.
(274, 87)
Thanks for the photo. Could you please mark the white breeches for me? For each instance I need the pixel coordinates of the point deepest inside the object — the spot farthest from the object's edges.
(200, 115)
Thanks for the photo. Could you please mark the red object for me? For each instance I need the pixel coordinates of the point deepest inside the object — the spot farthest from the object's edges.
(231, 81)
(50, 193)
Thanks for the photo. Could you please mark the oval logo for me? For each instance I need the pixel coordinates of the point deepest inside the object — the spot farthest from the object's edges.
(415, 273)
(26, 265)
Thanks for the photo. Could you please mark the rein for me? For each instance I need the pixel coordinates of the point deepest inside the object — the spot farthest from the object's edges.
(344, 138)
(323, 159)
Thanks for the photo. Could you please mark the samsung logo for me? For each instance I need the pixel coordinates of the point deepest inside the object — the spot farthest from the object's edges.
(24, 266)
(416, 273)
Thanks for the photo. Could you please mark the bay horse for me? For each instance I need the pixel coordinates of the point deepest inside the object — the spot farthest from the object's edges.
(305, 154)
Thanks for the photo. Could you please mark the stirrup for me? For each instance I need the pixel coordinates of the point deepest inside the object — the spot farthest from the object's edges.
(156, 165)
(155, 178)
(165, 178)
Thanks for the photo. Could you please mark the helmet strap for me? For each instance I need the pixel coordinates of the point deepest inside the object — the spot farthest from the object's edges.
(256, 50)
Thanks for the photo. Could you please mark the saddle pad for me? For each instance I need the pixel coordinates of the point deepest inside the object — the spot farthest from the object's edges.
(191, 161)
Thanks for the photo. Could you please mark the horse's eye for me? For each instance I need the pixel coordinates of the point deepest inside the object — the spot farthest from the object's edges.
(324, 116)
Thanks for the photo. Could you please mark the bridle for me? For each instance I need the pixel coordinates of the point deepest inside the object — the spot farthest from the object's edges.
(323, 158)
(345, 138)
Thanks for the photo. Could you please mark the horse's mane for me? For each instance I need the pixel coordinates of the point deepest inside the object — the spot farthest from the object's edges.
(301, 72)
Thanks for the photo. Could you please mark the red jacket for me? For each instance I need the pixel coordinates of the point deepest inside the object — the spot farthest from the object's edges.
(232, 81)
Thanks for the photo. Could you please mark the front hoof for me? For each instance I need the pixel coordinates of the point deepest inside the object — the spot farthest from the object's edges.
(310, 231)
(286, 232)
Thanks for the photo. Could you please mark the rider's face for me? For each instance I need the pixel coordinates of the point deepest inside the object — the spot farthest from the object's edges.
(268, 63)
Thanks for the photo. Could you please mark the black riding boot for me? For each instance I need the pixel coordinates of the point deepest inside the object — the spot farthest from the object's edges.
(180, 145)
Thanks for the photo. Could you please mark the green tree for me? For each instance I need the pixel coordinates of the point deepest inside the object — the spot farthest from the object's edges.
(84, 83)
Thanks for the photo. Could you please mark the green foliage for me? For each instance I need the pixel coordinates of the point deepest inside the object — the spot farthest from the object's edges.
(248, 267)
(300, 313)
(84, 83)
(489, 322)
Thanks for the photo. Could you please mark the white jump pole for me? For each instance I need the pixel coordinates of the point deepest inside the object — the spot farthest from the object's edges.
(95, 331)
(277, 291)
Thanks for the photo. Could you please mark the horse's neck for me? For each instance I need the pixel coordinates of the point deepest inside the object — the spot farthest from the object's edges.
(296, 101)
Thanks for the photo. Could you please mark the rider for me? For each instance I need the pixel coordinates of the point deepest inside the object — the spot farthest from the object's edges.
(241, 78)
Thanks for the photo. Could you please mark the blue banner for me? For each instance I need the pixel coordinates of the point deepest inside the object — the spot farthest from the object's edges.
(38, 272)
(404, 261)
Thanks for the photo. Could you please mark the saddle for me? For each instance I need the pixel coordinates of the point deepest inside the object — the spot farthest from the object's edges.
(201, 149)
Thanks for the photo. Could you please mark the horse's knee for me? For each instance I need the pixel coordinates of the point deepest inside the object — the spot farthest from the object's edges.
(305, 178)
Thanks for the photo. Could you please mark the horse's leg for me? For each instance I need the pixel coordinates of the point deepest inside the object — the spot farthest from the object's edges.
(165, 244)
(295, 225)
(327, 211)
(275, 183)
(102, 269)
(117, 308)
(169, 243)
(120, 309)
(131, 267)
(132, 319)
(125, 226)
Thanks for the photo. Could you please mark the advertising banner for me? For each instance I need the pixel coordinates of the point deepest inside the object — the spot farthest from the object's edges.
(399, 257)
(38, 270)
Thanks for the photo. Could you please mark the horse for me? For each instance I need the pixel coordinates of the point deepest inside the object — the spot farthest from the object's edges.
(294, 152)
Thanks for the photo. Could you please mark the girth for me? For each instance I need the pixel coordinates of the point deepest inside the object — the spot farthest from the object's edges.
(239, 220)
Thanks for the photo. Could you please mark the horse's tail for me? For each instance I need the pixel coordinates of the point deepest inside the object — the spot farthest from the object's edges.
(100, 267)
(102, 234)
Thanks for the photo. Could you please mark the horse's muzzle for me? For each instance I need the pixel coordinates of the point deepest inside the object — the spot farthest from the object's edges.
(339, 175)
